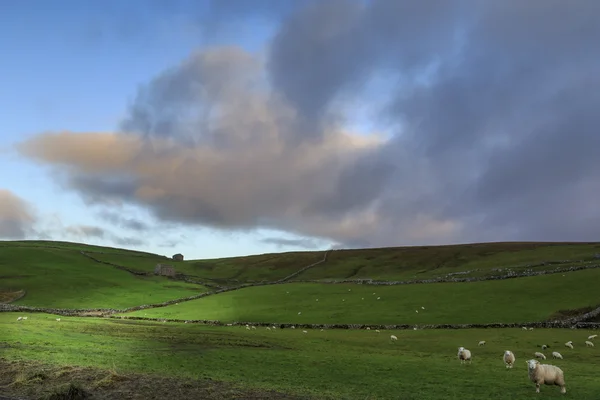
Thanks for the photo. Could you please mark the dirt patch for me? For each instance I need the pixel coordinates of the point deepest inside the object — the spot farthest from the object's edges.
(566, 314)
(34, 380)
(7, 296)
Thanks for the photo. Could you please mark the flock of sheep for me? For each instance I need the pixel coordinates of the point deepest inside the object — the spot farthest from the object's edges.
(540, 374)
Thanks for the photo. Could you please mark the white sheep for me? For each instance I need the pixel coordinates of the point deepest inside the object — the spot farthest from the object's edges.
(569, 345)
(481, 343)
(293, 327)
(589, 344)
(537, 354)
(24, 317)
(545, 374)
(509, 358)
(20, 318)
(422, 308)
(268, 328)
(545, 346)
(304, 331)
(464, 355)
(592, 337)
(393, 337)
(274, 327)
(253, 327)
(368, 328)
(379, 298)
(524, 328)
(299, 312)
(377, 330)
(246, 327)
(417, 311)
(556, 354)
(58, 319)
(530, 329)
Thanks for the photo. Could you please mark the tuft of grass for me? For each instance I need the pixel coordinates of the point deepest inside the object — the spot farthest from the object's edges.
(70, 391)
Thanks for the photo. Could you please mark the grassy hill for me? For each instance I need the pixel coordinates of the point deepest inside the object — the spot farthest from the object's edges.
(61, 277)
(196, 361)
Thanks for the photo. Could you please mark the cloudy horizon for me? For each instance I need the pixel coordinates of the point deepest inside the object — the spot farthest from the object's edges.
(218, 129)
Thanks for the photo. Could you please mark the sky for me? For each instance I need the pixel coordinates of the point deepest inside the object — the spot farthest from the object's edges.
(233, 127)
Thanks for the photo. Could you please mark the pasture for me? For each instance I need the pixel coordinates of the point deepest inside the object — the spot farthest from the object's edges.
(331, 364)
(445, 303)
(109, 357)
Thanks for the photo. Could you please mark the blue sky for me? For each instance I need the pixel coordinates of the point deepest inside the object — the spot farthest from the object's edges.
(66, 67)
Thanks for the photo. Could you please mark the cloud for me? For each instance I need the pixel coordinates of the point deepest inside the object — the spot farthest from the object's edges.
(16, 216)
(123, 222)
(83, 232)
(491, 107)
(282, 242)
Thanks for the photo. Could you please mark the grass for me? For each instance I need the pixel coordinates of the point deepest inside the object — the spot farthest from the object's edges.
(331, 364)
(60, 278)
(109, 357)
(507, 300)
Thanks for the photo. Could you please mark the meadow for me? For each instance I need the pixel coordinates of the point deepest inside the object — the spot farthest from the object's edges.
(120, 358)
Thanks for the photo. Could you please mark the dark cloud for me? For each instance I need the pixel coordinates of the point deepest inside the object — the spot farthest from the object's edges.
(122, 221)
(16, 217)
(283, 242)
(493, 107)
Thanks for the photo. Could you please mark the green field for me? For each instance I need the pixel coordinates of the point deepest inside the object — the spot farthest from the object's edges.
(66, 279)
(445, 303)
(330, 364)
(155, 360)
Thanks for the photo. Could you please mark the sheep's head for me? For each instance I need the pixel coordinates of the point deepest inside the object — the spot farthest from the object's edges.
(507, 353)
(460, 349)
(532, 364)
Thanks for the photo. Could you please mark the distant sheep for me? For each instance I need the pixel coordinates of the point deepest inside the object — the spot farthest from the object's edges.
(592, 337)
(481, 343)
(464, 355)
(530, 329)
(393, 337)
(268, 328)
(537, 354)
(556, 354)
(589, 344)
(253, 327)
(19, 319)
(509, 358)
(524, 328)
(304, 331)
(368, 328)
(58, 319)
(545, 346)
(569, 345)
(545, 374)
(377, 330)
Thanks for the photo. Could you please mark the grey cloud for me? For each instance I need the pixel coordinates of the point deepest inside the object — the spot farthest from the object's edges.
(497, 142)
(122, 221)
(16, 216)
(127, 241)
(85, 231)
(283, 242)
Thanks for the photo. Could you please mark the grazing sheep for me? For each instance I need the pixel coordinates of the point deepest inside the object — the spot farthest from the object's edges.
(509, 359)
(377, 330)
(592, 337)
(481, 343)
(569, 345)
(556, 354)
(530, 329)
(417, 311)
(20, 318)
(253, 327)
(545, 374)
(304, 331)
(422, 308)
(537, 354)
(379, 298)
(24, 317)
(274, 327)
(293, 327)
(589, 344)
(393, 337)
(464, 355)
(545, 346)
(246, 327)
(368, 328)
(268, 328)
(300, 312)
(524, 328)
(58, 319)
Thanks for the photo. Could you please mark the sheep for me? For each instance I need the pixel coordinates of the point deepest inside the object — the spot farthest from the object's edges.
(545, 346)
(592, 337)
(524, 328)
(253, 327)
(377, 330)
(537, 354)
(58, 319)
(556, 354)
(268, 328)
(417, 311)
(20, 318)
(24, 317)
(530, 329)
(589, 344)
(368, 328)
(545, 374)
(379, 298)
(304, 331)
(246, 327)
(299, 312)
(509, 358)
(422, 308)
(481, 343)
(274, 327)
(393, 337)
(464, 355)
(293, 327)
(569, 345)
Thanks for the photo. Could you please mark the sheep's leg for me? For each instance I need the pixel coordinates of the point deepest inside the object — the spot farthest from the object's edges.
(563, 389)
(537, 387)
